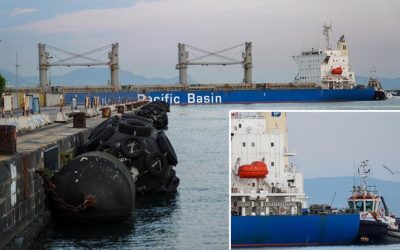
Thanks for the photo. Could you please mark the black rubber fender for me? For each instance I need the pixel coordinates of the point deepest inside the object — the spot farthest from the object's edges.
(135, 127)
(107, 147)
(132, 146)
(156, 163)
(98, 174)
(99, 128)
(102, 136)
(130, 116)
(166, 148)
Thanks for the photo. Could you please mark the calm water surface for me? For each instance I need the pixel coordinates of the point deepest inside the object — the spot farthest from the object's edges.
(197, 217)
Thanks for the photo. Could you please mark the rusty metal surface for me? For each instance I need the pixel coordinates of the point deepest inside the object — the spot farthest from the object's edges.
(106, 112)
(8, 139)
(79, 120)
(120, 109)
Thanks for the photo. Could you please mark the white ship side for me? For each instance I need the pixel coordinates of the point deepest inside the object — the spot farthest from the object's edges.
(262, 137)
(330, 68)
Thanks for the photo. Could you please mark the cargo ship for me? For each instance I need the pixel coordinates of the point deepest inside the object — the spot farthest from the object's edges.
(268, 203)
(324, 75)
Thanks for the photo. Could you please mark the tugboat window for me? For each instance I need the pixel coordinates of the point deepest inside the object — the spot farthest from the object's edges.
(244, 144)
(351, 205)
(360, 206)
(368, 206)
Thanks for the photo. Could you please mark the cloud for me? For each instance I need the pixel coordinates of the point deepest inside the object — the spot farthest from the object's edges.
(21, 11)
(278, 30)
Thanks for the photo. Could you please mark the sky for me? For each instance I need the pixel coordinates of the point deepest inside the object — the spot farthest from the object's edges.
(332, 143)
(148, 33)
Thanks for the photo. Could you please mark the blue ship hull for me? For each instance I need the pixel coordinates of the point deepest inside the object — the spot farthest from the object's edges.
(299, 230)
(233, 96)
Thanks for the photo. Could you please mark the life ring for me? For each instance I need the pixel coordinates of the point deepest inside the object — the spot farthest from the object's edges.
(234, 190)
(282, 210)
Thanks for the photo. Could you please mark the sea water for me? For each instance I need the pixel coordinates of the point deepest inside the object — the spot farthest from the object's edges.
(197, 217)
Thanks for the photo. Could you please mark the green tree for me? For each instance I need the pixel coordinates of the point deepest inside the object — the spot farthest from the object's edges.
(2, 86)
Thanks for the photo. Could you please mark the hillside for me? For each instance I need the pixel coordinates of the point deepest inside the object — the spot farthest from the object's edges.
(89, 76)
(100, 76)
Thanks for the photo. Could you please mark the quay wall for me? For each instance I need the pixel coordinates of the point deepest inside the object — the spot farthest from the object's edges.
(23, 211)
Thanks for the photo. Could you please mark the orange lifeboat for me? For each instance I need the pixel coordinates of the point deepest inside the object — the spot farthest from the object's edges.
(257, 169)
(337, 71)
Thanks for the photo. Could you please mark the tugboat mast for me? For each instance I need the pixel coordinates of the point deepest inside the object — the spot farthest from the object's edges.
(363, 171)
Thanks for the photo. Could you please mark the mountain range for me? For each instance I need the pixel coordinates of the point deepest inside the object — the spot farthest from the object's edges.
(323, 189)
(100, 76)
(89, 76)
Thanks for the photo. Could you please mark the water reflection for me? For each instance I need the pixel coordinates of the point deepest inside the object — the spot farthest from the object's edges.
(155, 208)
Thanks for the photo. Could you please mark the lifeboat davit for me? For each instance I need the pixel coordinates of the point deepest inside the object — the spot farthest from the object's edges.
(337, 71)
(257, 169)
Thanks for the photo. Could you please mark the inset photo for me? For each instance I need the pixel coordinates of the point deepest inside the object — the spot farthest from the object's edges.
(310, 178)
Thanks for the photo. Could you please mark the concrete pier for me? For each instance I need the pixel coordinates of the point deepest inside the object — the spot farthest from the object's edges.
(23, 212)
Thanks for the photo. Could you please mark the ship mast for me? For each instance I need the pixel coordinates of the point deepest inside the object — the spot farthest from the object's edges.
(363, 171)
(327, 29)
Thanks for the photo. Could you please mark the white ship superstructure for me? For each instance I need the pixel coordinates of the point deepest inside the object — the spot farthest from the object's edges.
(262, 137)
(330, 68)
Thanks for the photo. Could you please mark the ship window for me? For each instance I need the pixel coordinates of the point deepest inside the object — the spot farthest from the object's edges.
(253, 144)
(244, 144)
(351, 204)
(359, 206)
(368, 206)
(253, 184)
(272, 144)
(272, 163)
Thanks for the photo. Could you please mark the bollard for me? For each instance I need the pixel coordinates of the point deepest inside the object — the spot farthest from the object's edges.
(79, 119)
(106, 112)
(35, 105)
(8, 139)
(120, 109)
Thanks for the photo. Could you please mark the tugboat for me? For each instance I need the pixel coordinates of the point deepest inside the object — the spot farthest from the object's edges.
(377, 224)
(268, 203)
(380, 93)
